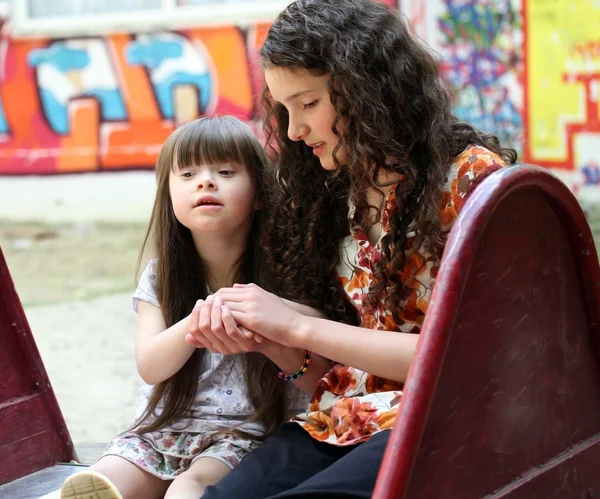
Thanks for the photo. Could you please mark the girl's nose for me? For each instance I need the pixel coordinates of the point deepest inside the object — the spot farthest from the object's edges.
(206, 182)
(296, 132)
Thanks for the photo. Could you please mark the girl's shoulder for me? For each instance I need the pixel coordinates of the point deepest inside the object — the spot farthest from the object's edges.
(149, 274)
(474, 161)
(146, 289)
(468, 169)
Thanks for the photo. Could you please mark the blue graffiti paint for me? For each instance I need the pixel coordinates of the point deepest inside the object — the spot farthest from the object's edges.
(480, 51)
(60, 56)
(69, 60)
(591, 174)
(164, 91)
(57, 113)
(111, 103)
(3, 123)
(153, 53)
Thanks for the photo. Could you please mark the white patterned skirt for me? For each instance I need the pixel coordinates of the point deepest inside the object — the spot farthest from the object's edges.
(167, 454)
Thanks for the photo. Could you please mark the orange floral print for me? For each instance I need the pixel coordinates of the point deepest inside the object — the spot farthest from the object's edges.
(341, 379)
(321, 427)
(350, 405)
(354, 420)
(359, 280)
(375, 384)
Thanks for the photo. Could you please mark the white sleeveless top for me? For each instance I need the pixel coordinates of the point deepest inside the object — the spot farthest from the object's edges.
(221, 399)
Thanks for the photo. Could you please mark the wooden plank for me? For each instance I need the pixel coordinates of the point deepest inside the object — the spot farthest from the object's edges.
(22, 418)
(572, 474)
(14, 382)
(29, 455)
(33, 433)
(40, 483)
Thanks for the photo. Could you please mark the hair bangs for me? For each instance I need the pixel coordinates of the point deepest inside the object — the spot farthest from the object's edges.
(211, 141)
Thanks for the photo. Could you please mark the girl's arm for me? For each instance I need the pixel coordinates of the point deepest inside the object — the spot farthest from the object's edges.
(303, 309)
(290, 360)
(213, 327)
(387, 354)
(160, 351)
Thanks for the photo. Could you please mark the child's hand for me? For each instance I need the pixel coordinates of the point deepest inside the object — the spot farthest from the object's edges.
(258, 310)
(212, 326)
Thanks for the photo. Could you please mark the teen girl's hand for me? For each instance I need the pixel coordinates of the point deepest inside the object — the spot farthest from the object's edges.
(212, 326)
(258, 310)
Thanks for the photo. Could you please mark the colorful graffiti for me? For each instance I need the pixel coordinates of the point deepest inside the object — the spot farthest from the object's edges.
(176, 69)
(563, 85)
(68, 70)
(527, 70)
(109, 102)
(3, 123)
(98, 103)
(482, 62)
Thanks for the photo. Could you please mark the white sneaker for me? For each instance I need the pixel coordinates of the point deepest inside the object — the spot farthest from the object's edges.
(89, 485)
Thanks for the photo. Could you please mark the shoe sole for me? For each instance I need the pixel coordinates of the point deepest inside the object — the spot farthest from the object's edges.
(88, 485)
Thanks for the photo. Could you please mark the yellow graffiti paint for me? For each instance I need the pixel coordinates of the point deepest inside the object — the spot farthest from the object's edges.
(562, 41)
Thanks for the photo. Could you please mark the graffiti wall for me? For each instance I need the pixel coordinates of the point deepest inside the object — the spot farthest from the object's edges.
(105, 103)
(86, 104)
(527, 70)
(562, 85)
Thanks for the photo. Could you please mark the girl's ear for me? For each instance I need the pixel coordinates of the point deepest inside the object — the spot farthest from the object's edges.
(257, 205)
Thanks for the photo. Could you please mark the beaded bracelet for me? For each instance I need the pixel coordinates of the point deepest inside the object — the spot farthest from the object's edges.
(303, 369)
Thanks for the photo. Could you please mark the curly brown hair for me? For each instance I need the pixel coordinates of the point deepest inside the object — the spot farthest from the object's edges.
(385, 86)
(180, 273)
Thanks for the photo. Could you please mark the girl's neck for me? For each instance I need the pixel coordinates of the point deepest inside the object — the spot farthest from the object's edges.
(221, 257)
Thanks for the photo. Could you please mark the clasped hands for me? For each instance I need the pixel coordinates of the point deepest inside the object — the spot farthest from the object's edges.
(243, 318)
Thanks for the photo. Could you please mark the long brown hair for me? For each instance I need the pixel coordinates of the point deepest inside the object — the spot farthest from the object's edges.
(385, 86)
(180, 274)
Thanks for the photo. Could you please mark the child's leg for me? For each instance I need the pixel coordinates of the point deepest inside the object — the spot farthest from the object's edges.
(203, 472)
(112, 474)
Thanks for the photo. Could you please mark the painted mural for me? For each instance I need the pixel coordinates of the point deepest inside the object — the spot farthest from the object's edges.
(87, 104)
(563, 85)
(527, 70)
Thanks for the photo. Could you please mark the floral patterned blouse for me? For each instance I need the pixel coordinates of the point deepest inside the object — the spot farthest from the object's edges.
(350, 405)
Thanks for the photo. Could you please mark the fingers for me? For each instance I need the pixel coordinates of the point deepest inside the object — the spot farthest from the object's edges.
(216, 323)
(215, 345)
(232, 295)
(243, 340)
(195, 318)
(231, 327)
(191, 340)
(247, 333)
(236, 306)
(213, 325)
(195, 336)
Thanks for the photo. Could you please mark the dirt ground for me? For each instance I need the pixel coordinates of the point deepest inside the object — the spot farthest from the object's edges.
(75, 282)
(56, 263)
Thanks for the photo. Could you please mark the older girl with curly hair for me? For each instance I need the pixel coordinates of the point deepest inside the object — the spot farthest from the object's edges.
(371, 170)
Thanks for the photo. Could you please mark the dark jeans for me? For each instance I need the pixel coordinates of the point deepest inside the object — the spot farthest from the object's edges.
(292, 464)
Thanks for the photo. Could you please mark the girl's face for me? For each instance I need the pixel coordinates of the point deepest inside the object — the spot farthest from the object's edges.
(215, 198)
(311, 113)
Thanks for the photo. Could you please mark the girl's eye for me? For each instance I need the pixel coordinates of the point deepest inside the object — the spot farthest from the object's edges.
(226, 173)
(187, 174)
(310, 105)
